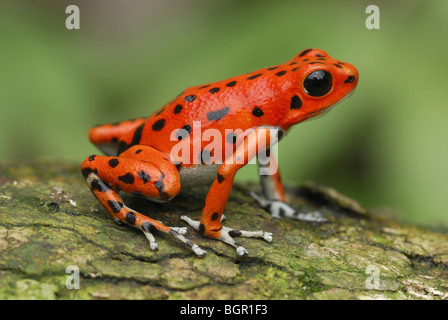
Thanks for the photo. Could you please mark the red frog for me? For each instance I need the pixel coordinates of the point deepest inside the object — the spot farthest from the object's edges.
(251, 112)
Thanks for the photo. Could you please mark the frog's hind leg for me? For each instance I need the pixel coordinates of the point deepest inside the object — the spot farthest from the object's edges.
(106, 176)
(106, 136)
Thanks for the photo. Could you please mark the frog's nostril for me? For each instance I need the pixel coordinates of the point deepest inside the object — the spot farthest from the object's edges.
(350, 79)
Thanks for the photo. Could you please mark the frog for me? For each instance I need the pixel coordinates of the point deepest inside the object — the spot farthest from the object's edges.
(250, 113)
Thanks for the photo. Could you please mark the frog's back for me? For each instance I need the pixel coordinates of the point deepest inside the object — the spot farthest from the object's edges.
(235, 104)
(272, 97)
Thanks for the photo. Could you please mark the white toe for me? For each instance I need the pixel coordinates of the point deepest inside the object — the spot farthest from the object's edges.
(241, 251)
(267, 236)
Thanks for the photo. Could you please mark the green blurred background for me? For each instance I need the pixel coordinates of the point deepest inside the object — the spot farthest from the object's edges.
(385, 146)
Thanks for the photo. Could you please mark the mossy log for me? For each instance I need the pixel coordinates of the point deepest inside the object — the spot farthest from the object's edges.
(49, 221)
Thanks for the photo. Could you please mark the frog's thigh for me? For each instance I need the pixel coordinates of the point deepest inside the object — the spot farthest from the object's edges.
(158, 179)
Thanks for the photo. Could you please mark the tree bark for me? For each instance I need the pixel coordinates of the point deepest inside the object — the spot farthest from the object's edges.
(50, 221)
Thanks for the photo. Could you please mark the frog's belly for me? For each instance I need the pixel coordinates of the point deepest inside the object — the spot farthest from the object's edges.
(198, 175)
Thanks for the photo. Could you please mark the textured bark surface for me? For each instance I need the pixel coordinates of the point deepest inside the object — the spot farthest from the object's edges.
(49, 220)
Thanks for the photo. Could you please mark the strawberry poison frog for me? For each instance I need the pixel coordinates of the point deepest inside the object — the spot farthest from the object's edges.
(250, 111)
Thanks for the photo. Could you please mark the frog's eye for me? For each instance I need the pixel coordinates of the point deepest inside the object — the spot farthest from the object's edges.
(318, 83)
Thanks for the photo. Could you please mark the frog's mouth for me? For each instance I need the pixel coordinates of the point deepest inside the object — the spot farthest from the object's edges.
(326, 109)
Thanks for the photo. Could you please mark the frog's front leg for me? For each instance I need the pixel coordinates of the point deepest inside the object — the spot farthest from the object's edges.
(274, 195)
(143, 170)
(218, 195)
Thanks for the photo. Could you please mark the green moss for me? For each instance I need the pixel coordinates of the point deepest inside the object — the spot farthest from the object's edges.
(49, 220)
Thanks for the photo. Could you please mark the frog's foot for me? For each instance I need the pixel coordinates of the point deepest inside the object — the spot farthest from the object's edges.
(226, 234)
(196, 249)
(279, 209)
(175, 232)
(181, 230)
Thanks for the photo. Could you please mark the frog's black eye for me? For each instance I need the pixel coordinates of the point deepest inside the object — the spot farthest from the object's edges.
(318, 83)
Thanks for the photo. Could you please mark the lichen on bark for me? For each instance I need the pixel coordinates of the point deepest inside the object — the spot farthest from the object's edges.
(49, 220)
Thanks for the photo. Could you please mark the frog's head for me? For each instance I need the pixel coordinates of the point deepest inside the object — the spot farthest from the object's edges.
(320, 82)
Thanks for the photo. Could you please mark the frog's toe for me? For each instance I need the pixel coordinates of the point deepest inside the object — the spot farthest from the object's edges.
(241, 251)
(196, 249)
(279, 209)
(315, 216)
(227, 235)
(193, 223)
(176, 233)
(268, 236)
(181, 230)
(152, 241)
